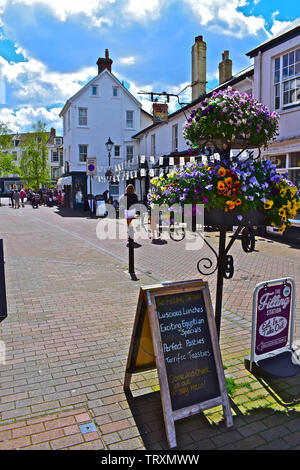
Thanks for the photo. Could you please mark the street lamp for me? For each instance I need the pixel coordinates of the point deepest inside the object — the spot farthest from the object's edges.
(109, 145)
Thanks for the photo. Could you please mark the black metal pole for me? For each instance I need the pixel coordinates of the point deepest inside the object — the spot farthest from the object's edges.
(131, 251)
(220, 279)
(3, 302)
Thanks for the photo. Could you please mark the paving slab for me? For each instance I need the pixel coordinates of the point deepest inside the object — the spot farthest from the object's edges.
(71, 308)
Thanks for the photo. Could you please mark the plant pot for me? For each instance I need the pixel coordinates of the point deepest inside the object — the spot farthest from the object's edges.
(219, 217)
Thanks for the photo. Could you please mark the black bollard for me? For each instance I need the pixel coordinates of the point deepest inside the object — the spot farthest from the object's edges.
(3, 303)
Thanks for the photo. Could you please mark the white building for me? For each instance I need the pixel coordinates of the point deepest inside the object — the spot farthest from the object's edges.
(103, 109)
(55, 158)
(277, 85)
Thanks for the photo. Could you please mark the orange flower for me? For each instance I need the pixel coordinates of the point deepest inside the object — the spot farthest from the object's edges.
(221, 186)
(228, 182)
(221, 171)
(238, 202)
(230, 204)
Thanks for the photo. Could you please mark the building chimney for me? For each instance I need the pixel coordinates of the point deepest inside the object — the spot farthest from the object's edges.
(198, 68)
(225, 68)
(104, 63)
(52, 132)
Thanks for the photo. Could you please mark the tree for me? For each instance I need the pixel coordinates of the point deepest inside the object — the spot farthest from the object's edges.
(7, 164)
(34, 168)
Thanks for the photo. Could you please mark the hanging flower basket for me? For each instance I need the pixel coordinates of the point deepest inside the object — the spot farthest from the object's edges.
(231, 118)
(232, 191)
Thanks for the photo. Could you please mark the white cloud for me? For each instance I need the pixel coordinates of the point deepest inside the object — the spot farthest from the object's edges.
(127, 60)
(22, 119)
(63, 9)
(278, 25)
(32, 83)
(143, 10)
(223, 16)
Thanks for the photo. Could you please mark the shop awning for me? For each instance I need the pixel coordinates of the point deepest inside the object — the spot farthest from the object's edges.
(64, 181)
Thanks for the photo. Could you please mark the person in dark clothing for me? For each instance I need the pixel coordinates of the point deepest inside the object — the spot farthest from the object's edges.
(105, 196)
(131, 198)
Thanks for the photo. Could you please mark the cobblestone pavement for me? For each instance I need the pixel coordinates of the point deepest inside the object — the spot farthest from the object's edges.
(71, 310)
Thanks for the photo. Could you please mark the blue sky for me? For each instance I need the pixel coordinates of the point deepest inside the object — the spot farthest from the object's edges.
(48, 50)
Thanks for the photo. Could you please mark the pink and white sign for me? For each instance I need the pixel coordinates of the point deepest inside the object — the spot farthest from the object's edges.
(273, 317)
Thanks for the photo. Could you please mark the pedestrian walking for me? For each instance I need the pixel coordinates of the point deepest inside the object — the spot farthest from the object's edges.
(11, 196)
(22, 196)
(129, 199)
(16, 197)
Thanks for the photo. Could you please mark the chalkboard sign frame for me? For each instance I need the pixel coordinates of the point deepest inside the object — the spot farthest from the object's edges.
(146, 331)
(3, 301)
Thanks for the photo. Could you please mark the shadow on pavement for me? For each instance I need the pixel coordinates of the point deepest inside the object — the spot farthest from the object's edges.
(259, 428)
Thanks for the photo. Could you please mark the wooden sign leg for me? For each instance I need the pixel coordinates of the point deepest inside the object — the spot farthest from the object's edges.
(227, 412)
(171, 434)
(127, 380)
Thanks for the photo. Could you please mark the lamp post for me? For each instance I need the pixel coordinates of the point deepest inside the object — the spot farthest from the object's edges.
(109, 145)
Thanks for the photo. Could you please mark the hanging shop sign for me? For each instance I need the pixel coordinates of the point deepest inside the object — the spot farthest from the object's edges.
(272, 353)
(175, 332)
(160, 112)
(3, 301)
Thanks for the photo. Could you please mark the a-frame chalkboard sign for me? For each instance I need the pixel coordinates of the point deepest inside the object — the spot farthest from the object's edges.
(175, 332)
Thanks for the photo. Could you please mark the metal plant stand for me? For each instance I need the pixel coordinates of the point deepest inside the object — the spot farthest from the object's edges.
(224, 262)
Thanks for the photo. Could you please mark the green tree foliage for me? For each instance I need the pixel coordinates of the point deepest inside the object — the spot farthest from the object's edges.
(7, 164)
(34, 168)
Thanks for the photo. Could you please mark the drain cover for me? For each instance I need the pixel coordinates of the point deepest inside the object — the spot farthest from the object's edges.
(87, 427)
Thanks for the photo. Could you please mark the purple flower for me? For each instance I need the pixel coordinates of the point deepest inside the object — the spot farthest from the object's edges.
(239, 217)
(205, 199)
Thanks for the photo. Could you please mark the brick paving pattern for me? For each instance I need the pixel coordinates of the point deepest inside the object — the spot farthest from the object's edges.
(71, 310)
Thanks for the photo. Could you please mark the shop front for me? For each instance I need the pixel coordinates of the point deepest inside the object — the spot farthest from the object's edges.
(74, 186)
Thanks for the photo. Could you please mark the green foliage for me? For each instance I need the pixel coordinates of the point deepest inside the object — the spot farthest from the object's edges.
(34, 168)
(7, 164)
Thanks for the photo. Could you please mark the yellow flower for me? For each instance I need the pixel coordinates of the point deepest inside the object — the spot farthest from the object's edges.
(282, 228)
(293, 191)
(268, 204)
(283, 192)
(221, 186)
(281, 211)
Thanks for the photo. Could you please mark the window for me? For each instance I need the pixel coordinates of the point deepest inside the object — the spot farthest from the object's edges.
(295, 159)
(54, 172)
(94, 90)
(279, 160)
(57, 141)
(54, 156)
(16, 142)
(129, 153)
(175, 138)
(287, 79)
(115, 91)
(117, 151)
(83, 153)
(82, 116)
(129, 119)
(114, 189)
(153, 148)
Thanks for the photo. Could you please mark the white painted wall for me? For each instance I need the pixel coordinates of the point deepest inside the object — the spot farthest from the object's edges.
(106, 117)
